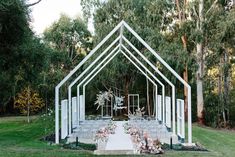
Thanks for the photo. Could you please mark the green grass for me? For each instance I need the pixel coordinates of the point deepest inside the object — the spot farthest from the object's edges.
(18, 138)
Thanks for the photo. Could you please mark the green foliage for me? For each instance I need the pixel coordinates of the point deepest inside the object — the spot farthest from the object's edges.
(41, 63)
(13, 23)
(69, 36)
(14, 29)
(25, 60)
(211, 100)
(80, 146)
(220, 37)
(158, 23)
(149, 19)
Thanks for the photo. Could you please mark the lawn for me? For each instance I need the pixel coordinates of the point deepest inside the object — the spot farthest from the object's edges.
(18, 138)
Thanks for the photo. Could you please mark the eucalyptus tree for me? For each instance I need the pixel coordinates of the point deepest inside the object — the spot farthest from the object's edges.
(202, 33)
(220, 60)
(207, 16)
(188, 34)
(69, 36)
(148, 18)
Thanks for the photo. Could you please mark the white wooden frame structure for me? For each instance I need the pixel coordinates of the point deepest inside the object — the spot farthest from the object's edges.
(121, 38)
(133, 102)
(106, 62)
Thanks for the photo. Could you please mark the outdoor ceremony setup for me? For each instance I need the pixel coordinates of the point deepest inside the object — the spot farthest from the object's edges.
(117, 78)
(138, 134)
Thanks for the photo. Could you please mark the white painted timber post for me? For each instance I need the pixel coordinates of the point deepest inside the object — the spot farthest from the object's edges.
(111, 107)
(180, 118)
(56, 115)
(163, 107)
(78, 106)
(81, 107)
(64, 118)
(189, 117)
(74, 112)
(153, 96)
(173, 111)
(168, 111)
(84, 102)
(129, 105)
(69, 106)
(156, 100)
(159, 108)
(102, 111)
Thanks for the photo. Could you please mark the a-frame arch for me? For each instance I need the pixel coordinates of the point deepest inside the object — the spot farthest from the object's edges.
(120, 26)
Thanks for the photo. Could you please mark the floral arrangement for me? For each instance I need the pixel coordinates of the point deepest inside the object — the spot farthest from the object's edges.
(142, 141)
(126, 127)
(101, 136)
(103, 133)
(102, 97)
(148, 145)
(111, 127)
(139, 113)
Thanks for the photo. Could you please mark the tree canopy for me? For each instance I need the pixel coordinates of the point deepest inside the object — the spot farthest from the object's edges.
(196, 38)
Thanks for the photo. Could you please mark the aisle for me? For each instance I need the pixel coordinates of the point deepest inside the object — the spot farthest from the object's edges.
(120, 140)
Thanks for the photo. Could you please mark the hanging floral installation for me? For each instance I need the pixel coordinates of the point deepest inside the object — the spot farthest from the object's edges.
(102, 97)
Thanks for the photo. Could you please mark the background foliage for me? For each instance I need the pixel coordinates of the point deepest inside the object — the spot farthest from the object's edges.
(41, 62)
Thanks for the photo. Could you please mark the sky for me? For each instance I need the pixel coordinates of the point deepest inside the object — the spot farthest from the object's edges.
(47, 11)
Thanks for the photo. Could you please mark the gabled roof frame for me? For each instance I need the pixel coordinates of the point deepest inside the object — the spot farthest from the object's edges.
(97, 72)
(87, 79)
(120, 25)
(81, 75)
(163, 87)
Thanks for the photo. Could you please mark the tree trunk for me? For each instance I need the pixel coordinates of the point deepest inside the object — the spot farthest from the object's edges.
(220, 108)
(226, 88)
(200, 62)
(147, 94)
(184, 41)
(186, 93)
(126, 91)
(154, 101)
(182, 19)
(151, 99)
(28, 104)
(200, 100)
(28, 113)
